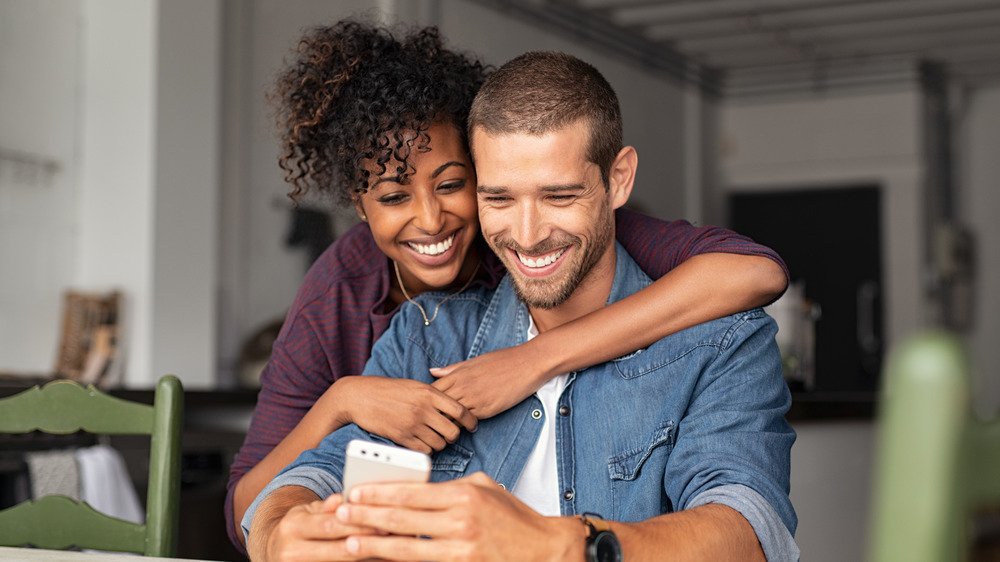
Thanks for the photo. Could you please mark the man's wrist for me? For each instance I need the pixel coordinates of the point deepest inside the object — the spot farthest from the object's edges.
(569, 538)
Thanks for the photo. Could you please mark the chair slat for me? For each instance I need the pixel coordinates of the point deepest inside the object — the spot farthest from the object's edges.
(62, 407)
(36, 523)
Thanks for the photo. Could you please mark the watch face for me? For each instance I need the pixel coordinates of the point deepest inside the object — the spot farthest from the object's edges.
(606, 547)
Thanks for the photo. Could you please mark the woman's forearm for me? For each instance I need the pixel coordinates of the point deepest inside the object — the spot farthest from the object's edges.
(702, 288)
(325, 417)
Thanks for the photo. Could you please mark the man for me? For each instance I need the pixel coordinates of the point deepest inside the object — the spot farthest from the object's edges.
(680, 449)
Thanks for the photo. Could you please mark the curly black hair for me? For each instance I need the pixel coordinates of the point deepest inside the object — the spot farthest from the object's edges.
(357, 94)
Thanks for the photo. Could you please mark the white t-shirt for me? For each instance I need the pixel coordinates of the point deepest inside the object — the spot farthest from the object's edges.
(538, 485)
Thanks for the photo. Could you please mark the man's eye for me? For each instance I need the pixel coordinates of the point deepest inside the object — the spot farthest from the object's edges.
(496, 199)
(562, 198)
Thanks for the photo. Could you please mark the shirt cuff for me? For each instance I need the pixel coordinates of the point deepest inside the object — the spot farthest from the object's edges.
(777, 543)
(319, 481)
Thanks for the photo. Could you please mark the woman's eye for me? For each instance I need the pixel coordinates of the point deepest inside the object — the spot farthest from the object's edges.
(451, 186)
(392, 199)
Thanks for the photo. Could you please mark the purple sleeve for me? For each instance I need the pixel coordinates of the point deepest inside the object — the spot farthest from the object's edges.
(328, 333)
(287, 392)
(659, 246)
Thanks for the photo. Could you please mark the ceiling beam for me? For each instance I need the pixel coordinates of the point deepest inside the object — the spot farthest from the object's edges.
(811, 37)
(699, 10)
(806, 18)
(916, 43)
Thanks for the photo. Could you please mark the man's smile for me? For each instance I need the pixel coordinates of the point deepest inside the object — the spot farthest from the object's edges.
(539, 265)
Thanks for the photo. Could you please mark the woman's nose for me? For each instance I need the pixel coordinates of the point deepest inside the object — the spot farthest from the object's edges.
(429, 217)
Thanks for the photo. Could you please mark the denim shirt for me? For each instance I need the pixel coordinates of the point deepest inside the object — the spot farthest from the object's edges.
(695, 418)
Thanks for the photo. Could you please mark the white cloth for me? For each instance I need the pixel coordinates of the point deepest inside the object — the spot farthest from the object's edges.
(53, 473)
(538, 485)
(105, 483)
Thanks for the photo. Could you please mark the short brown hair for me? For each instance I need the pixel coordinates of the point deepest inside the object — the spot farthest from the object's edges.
(539, 92)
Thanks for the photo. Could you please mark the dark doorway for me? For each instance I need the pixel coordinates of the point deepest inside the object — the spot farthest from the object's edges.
(831, 239)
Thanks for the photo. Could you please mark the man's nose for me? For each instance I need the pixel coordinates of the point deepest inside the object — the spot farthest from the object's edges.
(532, 227)
(429, 217)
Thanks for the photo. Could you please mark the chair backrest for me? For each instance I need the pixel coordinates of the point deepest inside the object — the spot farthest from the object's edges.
(58, 522)
(936, 462)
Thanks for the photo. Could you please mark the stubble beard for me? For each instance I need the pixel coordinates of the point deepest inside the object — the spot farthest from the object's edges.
(549, 293)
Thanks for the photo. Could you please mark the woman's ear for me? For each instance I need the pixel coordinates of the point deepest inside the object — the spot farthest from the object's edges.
(622, 176)
(359, 208)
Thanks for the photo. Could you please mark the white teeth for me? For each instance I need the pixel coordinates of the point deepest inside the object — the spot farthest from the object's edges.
(542, 261)
(434, 249)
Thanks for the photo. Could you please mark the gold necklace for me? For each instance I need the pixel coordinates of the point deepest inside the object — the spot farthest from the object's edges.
(427, 321)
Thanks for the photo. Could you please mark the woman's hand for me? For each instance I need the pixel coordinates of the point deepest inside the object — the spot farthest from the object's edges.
(493, 382)
(411, 413)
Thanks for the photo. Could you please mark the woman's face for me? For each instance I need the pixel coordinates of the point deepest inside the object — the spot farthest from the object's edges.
(427, 224)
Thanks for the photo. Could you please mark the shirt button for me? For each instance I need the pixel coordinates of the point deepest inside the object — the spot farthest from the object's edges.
(568, 495)
(536, 414)
(563, 410)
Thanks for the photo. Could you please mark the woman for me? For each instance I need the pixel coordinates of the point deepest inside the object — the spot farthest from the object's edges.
(380, 122)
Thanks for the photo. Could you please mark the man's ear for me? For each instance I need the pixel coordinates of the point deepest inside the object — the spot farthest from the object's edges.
(621, 176)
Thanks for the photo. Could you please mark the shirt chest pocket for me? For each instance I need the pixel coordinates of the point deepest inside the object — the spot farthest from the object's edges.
(452, 462)
(637, 476)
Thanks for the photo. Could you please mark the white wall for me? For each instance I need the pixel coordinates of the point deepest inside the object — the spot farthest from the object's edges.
(979, 202)
(38, 211)
(115, 186)
(823, 141)
(124, 96)
(831, 488)
(149, 178)
(187, 140)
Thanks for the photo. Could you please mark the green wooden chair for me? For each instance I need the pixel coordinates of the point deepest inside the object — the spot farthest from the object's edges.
(936, 462)
(58, 522)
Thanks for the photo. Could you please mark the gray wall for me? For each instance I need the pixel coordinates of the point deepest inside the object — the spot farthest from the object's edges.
(979, 200)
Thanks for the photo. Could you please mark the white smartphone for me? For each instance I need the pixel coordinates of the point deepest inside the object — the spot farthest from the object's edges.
(374, 462)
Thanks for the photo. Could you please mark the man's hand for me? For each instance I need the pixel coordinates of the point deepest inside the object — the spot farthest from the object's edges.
(411, 413)
(305, 532)
(471, 518)
(492, 383)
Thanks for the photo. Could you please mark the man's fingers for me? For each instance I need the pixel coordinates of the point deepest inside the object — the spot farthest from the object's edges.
(320, 551)
(405, 548)
(329, 505)
(417, 495)
(322, 526)
(400, 520)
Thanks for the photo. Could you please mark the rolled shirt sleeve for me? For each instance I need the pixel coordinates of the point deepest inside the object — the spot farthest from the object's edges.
(775, 539)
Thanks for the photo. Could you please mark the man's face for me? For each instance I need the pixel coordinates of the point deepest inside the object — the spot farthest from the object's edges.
(544, 210)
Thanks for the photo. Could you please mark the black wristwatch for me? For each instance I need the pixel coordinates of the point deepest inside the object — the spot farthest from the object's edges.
(602, 544)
